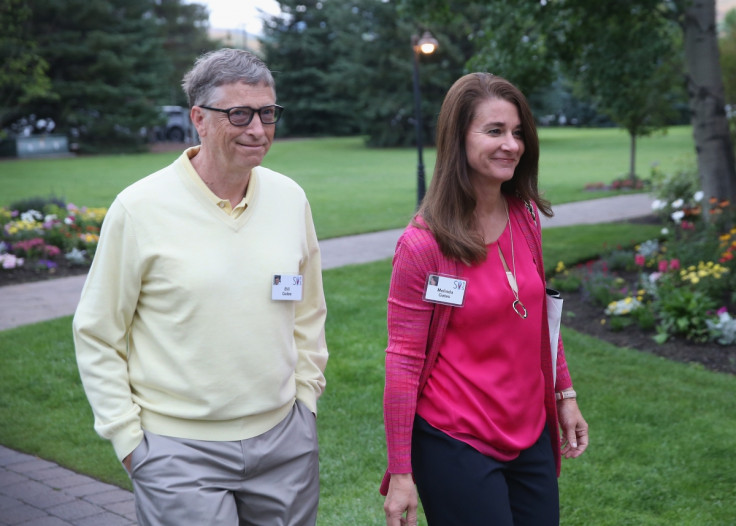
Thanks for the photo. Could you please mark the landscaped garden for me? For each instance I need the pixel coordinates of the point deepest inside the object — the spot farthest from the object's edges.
(661, 430)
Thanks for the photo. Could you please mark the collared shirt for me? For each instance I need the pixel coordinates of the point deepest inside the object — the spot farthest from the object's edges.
(223, 204)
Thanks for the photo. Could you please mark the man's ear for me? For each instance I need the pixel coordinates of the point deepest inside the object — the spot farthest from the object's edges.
(196, 114)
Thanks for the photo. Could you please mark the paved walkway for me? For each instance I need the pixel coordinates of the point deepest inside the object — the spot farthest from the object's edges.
(36, 492)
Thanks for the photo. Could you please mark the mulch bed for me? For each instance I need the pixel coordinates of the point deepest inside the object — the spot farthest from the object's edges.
(581, 315)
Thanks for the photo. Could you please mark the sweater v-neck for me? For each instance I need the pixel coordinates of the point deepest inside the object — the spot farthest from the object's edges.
(211, 202)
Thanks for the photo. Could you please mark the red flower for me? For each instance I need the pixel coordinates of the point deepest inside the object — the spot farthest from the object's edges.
(675, 264)
(662, 266)
(640, 260)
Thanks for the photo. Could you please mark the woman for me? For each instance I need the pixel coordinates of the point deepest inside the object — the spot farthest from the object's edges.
(473, 413)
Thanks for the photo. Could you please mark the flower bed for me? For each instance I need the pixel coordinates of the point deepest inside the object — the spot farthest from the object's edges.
(682, 285)
(42, 236)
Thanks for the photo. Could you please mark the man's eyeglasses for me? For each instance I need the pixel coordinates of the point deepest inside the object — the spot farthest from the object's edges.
(242, 115)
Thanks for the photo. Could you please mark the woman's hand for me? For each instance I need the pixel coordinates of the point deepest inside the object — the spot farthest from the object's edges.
(401, 501)
(574, 428)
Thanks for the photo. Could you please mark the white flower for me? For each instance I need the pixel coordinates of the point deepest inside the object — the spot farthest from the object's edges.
(49, 218)
(658, 204)
(9, 261)
(677, 216)
(76, 256)
(724, 331)
(698, 196)
(622, 307)
(648, 248)
(31, 215)
(677, 203)
(665, 231)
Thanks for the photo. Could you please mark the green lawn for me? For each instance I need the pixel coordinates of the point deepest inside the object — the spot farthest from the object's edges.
(354, 189)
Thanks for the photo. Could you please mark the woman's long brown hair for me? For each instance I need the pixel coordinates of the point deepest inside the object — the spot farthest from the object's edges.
(448, 207)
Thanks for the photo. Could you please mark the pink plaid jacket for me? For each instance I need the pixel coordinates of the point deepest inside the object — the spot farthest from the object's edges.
(416, 330)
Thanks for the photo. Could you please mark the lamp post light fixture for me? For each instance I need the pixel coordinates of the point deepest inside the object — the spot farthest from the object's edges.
(426, 45)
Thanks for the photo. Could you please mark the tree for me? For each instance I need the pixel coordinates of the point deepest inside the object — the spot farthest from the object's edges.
(567, 20)
(628, 67)
(106, 62)
(346, 67)
(299, 48)
(184, 30)
(727, 50)
(519, 48)
(377, 68)
(707, 103)
(99, 68)
(23, 71)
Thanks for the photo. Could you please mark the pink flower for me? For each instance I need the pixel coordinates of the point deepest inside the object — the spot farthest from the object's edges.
(662, 265)
(722, 310)
(675, 264)
(640, 260)
(52, 251)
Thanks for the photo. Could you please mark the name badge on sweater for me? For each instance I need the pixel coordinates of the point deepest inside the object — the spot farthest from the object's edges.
(448, 290)
(287, 287)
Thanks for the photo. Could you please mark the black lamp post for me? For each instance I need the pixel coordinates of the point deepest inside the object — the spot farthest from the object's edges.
(425, 45)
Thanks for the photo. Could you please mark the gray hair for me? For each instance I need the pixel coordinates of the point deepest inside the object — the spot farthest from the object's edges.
(224, 66)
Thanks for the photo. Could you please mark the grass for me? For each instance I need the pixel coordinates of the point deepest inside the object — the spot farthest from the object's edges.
(573, 157)
(661, 432)
(353, 189)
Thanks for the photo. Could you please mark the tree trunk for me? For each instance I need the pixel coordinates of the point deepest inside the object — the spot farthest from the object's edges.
(632, 157)
(707, 104)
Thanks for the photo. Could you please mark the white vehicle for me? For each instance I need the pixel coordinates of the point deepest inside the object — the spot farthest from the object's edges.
(178, 127)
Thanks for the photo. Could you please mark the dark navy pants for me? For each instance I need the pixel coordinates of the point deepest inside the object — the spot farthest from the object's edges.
(458, 485)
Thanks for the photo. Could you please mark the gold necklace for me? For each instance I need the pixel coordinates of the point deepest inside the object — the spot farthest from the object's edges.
(517, 305)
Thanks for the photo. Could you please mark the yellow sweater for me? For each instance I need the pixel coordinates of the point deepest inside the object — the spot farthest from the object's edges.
(176, 331)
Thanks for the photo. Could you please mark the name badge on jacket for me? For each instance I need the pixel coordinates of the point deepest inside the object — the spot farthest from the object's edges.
(448, 290)
(287, 287)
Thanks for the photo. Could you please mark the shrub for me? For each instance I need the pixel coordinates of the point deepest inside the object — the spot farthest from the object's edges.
(675, 192)
(566, 280)
(602, 287)
(723, 330)
(37, 203)
(684, 312)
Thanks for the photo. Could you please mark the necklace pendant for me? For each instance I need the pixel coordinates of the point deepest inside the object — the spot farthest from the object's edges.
(519, 305)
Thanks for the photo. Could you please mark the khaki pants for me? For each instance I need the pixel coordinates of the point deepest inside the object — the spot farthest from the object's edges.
(270, 479)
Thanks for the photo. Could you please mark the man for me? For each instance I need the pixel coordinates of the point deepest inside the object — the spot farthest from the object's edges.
(202, 376)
